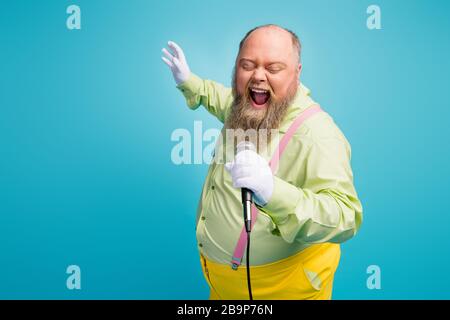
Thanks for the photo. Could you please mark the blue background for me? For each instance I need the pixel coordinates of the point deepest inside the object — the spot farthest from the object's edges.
(86, 117)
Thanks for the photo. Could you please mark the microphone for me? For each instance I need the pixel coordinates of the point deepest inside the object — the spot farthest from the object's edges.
(246, 194)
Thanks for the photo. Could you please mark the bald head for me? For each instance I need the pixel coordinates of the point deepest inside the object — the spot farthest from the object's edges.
(275, 31)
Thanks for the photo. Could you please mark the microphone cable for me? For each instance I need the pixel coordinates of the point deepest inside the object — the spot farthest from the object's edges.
(247, 202)
(248, 267)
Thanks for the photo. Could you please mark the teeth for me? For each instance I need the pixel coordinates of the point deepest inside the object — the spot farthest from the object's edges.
(259, 90)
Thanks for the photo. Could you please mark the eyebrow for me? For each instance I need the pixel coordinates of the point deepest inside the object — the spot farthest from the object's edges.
(245, 60)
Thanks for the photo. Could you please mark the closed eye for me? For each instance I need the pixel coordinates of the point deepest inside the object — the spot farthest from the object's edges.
(248, 66)
(274, 68)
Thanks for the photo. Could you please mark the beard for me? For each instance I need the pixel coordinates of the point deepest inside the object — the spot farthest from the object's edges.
(245, 117)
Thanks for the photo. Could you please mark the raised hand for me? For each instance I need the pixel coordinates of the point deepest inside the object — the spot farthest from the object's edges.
(176, 62)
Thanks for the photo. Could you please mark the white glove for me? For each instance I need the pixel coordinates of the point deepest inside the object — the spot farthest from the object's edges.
(250, 170)
(176, 62)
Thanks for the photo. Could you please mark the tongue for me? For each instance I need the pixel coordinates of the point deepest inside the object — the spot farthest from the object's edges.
(260, 98)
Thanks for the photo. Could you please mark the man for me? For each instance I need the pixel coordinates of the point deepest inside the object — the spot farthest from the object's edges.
(307, 205)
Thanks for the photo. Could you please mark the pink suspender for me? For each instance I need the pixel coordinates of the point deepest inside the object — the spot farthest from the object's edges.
(242, 242)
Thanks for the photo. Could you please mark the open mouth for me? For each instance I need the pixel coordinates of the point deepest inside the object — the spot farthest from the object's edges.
(259, 96)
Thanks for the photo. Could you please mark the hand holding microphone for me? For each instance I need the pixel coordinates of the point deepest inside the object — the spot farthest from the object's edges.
(250, 170)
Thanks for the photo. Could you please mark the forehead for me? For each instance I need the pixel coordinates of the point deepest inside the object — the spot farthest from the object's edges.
(268, 44)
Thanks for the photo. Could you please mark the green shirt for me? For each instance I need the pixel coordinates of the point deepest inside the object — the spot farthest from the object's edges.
(313, 201)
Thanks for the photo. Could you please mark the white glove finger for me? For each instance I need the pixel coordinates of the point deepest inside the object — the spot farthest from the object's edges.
(242, 172)
(244, 183)
(177, 63)
(166, 61)
(168, 54)
(229, 166)
(177, 50)
(247, 157)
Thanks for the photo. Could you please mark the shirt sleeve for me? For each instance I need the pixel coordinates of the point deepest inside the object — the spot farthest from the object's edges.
(215, 97)
(326, 207)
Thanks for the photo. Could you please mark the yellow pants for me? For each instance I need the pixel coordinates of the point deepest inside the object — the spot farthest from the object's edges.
(308, 274)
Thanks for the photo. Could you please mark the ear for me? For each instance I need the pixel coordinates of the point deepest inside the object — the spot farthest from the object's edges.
(299, 70)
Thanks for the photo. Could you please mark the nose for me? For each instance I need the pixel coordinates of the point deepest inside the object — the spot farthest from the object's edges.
(259, 75)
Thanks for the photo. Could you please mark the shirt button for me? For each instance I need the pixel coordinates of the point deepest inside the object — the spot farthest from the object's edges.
(200, 245)
(203, 218)
(212, 187)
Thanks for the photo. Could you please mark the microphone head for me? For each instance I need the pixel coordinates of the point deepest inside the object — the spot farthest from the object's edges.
(245, 145)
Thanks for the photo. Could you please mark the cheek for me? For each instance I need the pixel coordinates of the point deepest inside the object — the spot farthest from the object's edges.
(280, 86)
(241, 82)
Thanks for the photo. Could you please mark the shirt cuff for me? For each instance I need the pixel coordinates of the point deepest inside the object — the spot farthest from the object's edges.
(191, 89)
(283, 202)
